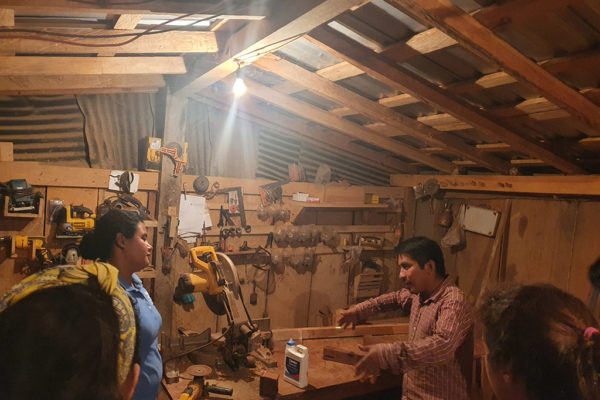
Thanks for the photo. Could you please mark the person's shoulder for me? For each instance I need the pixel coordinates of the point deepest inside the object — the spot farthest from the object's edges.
(453, 292)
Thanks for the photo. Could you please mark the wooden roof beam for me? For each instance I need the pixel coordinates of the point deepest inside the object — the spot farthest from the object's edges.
(45, 66)
(356, 131)
(288, 21)
(166, 42)
(479, 39)
(371, 109)
(79, 84)
(399, 78)
(519, 10)
(246, 9)
(258, 113)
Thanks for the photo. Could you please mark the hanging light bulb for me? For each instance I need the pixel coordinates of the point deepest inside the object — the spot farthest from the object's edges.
(239, 87)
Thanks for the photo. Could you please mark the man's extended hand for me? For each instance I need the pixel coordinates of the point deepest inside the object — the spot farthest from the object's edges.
(348, 317)
(368, 366)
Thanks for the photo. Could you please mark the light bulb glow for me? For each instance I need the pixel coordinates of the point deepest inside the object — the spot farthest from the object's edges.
(239, 87)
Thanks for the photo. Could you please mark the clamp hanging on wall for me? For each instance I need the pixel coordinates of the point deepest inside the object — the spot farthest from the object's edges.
(177, 155)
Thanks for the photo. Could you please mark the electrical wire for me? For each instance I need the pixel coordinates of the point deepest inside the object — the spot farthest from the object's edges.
(251, 54)
(136, 36)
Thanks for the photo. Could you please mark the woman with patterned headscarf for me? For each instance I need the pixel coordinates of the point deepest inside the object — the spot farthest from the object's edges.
(68, 333)
(120, 238)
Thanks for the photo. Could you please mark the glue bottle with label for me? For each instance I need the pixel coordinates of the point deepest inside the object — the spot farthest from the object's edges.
(296, 364)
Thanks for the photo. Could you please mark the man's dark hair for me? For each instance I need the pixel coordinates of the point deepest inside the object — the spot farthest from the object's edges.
(98, 245)
(537, 332)
(60, 343)
(422, 249)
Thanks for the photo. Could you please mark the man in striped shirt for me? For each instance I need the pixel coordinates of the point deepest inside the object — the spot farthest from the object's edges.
(440, 322)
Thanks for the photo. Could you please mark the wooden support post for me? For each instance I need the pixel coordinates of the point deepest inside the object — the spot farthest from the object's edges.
(169, 192)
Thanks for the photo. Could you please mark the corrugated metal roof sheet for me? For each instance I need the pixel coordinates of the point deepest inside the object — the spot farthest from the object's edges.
(276, 152)
(114, 126)
(43, 128)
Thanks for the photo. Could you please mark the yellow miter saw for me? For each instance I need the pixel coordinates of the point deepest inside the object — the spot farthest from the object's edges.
(215, 276)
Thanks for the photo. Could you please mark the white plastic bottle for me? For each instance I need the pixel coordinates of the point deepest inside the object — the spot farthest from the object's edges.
(296, 365)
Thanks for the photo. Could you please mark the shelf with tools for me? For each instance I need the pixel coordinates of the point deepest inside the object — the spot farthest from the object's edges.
(10, 214)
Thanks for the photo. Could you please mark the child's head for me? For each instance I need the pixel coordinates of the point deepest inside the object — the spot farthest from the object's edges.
(538, 348)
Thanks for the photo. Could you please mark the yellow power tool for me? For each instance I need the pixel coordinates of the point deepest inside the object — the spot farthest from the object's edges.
(36, 246)
(76, 221)
(215, 276)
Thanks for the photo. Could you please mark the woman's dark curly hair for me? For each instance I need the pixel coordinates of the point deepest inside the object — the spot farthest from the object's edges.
(98, 244)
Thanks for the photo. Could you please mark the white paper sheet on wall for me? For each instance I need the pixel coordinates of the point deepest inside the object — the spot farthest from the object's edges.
(193, 216)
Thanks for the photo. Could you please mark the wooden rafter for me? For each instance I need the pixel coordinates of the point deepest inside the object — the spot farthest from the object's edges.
(167, 42)
(421, 43)
(324, 118)
(399, 78)
(288, 21)
(251, 109)
(519, 10)
(45, 66)
(325, 87)
(246, 9)
(479, 39)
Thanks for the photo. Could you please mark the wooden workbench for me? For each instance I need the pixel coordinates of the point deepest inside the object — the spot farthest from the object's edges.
(326, 379)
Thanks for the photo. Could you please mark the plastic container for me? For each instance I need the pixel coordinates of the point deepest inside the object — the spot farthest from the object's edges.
(296, 365)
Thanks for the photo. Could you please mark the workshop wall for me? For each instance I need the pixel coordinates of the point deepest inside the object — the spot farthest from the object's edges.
(297, 296)
(550, 240)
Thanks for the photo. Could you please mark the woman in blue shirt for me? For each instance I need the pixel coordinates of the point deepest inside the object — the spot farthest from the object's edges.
(120, 238)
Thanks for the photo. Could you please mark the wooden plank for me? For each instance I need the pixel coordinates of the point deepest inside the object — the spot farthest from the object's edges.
(339, 71)
(28, 85)
(549, 184)
(166, 42)
(349, 128)
(7, 17)
(289, 20)
(343, 356)
(244, 8)
(474, 36)
(249, 108)
(325, 332)
(376, 111)
(53, 175)
(430, 40)
(400, 78)
(493, 147)
(128, 21)
(44, 66)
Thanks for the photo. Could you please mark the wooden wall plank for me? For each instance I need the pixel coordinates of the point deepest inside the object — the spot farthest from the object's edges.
(543, 184)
